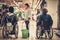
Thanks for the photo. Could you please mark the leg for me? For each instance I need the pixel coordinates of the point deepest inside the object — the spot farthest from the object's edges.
(27, 25)
(48, 33)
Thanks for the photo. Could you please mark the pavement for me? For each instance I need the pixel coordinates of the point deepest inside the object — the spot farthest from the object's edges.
(32, 31)
(54, 38)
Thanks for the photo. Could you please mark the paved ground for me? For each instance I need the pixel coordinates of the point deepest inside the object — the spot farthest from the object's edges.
(32, 38)
(32, 33)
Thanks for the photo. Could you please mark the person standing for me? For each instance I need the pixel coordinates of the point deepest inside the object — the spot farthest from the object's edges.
(27, 15)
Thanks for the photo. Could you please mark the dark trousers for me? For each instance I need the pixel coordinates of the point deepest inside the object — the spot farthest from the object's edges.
(27, 24)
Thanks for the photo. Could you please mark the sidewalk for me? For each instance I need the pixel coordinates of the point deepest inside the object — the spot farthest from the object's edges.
(58, 33)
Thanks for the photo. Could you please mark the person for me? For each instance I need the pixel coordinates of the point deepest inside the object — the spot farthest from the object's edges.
(0, 16)
(43, 2)
(4, 10)
(27, 15)
(45, 21)
(12, 18)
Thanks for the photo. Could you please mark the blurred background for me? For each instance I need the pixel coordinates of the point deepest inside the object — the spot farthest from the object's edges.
(53, 7)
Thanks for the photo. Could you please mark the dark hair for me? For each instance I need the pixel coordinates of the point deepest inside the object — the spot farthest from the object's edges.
(11, 9)
(44, 10)
(4, 6)
(0, 10)
(27, 5)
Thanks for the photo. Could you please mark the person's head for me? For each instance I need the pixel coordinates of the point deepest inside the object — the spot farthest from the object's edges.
(44, 10)
(4, 8)
(11, 9)
(27, 6)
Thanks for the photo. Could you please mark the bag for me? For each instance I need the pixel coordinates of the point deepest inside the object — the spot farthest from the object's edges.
(10, 18)
(9, 22)
(9, 26)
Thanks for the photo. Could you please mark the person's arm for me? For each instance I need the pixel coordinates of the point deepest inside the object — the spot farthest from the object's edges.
(39, 20)
(5, 19)
(51, 21)
(41, 1)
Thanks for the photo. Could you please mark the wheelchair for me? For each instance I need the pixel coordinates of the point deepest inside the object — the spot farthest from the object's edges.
(7, 28)
(39, 30)
(0, 20)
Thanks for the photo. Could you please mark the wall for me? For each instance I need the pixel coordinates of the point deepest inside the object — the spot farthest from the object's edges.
(52, 6)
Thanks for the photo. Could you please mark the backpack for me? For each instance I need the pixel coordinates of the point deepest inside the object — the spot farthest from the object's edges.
(9, 19)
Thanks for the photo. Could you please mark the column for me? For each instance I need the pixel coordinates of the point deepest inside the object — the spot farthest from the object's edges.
(58, 14)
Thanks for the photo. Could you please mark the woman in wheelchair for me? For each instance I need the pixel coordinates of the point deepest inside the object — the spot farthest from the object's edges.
(11, 19)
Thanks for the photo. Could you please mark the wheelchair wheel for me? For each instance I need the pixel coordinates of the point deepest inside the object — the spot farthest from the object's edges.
(16, 31)
(4, 32)
(51, 34)
(38, 31)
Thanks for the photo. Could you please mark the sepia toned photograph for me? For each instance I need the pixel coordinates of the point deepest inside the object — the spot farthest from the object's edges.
(29, 19)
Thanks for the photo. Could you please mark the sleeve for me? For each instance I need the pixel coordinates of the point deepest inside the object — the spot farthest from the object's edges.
(15, 19)
(51, 21)
(30, 14)
(23, 15)
(39, 21)
(5, 19)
